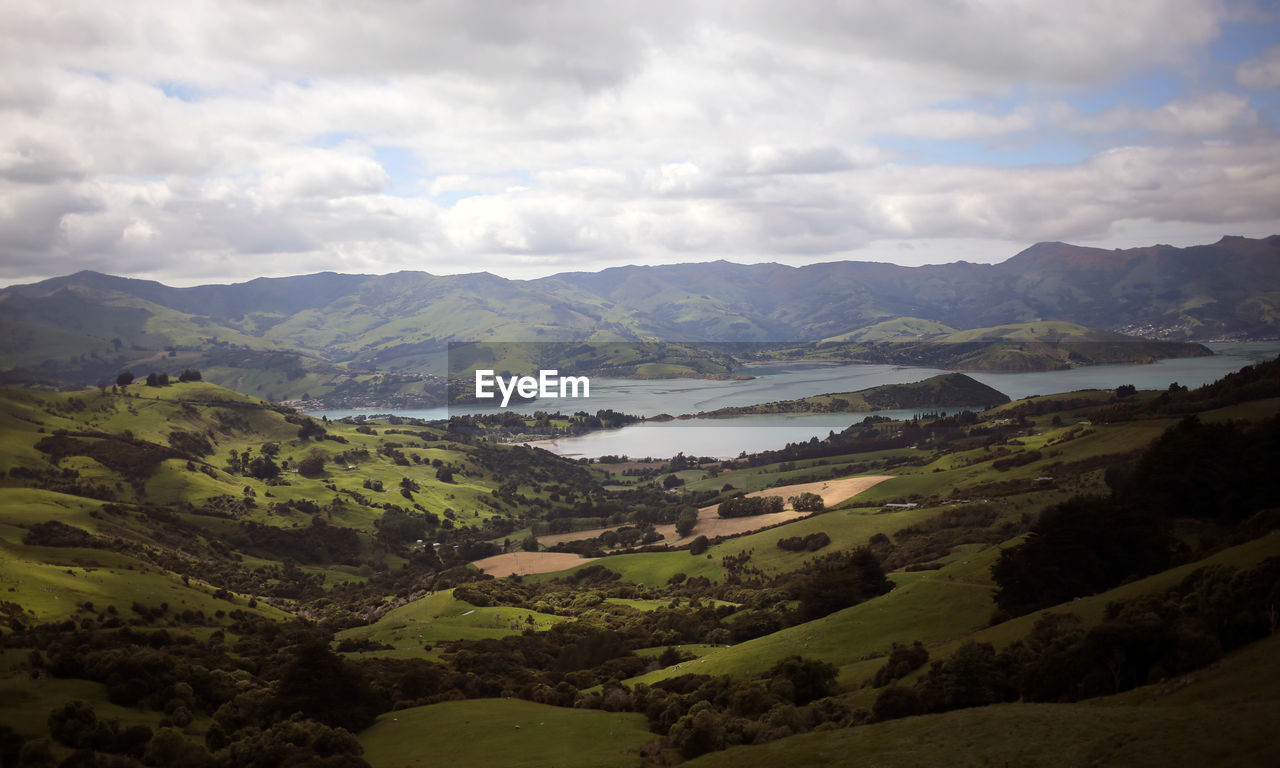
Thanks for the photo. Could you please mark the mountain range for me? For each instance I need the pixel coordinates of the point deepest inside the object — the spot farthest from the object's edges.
(293, 336)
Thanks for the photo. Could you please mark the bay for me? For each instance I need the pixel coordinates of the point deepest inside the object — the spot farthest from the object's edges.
(726, 438)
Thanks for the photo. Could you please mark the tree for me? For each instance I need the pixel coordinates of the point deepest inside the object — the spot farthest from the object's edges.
(902, 661)
(686, 521)
(323, 686)
(310, 429)
(698, 732)
(840, 580)
(671, 481)
(444, 475)
(698, 545)
(807, 502)
(807, 679)
(124, 379)
(189, 374)
(1084, 545)
(747, 506)
(75, 725)
(170, 749)
(895, 702)
(264, 468)
(311, 466)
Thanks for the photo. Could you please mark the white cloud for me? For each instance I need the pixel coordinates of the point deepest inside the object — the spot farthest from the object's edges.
(1261, 72)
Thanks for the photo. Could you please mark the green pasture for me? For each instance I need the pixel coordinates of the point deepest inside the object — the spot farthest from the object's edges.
(440, 617)
(506, 733)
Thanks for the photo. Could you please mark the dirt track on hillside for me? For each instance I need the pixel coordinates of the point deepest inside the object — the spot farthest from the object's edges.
(711, 525)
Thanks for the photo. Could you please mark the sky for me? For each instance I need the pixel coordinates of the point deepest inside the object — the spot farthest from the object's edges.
(199, 142)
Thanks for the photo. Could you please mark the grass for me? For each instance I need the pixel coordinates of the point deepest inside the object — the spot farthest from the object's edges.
(25, 703)
(948, 603)
(1224, 717)
(441, 617)
(504, 732)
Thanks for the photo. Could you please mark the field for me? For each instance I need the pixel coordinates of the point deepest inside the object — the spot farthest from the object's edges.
(440, 617)
(529, 563)
(506, 732)
(711, 525)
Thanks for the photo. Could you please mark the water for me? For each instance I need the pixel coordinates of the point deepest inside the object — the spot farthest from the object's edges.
(786, 381)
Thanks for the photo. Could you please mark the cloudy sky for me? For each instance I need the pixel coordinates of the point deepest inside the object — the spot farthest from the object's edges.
(218, 141)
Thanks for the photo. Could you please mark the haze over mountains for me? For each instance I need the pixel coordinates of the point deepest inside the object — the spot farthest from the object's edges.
(310, 328)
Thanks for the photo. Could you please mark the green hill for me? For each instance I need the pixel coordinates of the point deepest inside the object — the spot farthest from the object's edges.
(953, 390)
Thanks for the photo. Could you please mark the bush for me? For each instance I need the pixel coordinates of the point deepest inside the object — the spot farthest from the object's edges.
(895, 702)
(903, 660)
(811, 543)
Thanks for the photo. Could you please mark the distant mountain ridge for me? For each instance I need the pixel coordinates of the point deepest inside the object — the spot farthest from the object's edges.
(83, 326)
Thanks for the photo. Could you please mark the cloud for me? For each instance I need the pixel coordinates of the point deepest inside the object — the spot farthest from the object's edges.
(231, 139)
(1200, 115)
(1261, 73)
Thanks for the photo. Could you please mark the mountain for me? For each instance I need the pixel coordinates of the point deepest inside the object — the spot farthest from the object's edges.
(364, 337)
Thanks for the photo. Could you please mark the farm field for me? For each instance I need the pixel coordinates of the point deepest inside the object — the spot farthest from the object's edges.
(711, 525)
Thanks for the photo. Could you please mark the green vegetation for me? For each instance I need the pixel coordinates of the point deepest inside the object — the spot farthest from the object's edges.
(1219, 716)
(505, 732)
(951, 390)
(190, 576)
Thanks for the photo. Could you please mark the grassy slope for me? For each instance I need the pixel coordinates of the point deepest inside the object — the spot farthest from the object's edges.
(1223, 717)
(898, 329)
(941, 609)
(441, 617)
(25, 703)
(505, 732)
(51, 581)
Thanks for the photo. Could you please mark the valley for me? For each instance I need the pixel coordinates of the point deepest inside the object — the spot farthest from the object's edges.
(191, 575)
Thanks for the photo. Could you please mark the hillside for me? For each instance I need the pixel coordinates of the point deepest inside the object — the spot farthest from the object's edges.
(175, 593)
(325, 335)
(953, 390)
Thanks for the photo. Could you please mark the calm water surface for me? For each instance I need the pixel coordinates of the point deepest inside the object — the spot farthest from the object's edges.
(781, 381)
